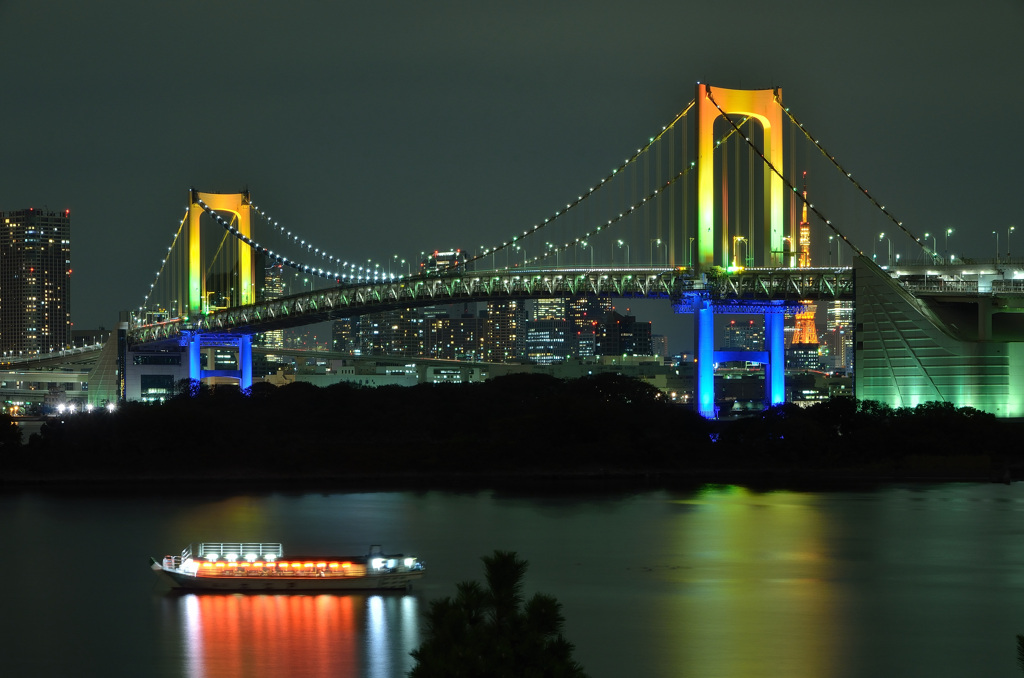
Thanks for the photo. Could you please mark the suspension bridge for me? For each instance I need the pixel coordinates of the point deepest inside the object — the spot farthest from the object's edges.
(704, 215)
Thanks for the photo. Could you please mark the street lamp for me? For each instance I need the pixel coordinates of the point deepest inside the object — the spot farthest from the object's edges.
(996, 234)
(949, 232)
(689, 252)
(1009, 230)
(657, 241)
(736, 240)
(626, 245)
(934, 246)
(584, 243)
(882, 236)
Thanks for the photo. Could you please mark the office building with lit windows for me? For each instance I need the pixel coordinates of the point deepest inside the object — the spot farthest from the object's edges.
(35, 281)
(622, 335)
(583, 314)
(506, 331)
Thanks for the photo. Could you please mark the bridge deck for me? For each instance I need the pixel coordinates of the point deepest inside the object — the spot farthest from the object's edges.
(357, 299)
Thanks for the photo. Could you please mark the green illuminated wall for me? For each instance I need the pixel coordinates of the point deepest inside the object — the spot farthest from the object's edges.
(907, 355)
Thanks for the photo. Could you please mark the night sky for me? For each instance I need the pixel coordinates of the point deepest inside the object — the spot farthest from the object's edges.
(394, 127)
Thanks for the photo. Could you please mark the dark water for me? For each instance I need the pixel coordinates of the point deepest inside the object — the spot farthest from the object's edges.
(724, 581)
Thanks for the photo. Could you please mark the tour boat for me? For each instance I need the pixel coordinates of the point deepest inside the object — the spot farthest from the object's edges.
(238, 566)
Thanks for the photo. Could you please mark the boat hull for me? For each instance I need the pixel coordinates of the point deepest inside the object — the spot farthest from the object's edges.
(381, 581)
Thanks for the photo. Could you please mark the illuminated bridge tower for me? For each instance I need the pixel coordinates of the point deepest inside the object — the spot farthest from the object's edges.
(234, 287)
(766, 247)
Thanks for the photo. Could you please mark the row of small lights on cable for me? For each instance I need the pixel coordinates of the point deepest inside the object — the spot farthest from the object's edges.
(163, 264)
(582, 240)
(626, 163)
(849, 176)
(316, 251)
(356, 274)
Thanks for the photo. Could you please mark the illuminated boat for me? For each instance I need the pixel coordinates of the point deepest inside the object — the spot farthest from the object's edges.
(238, 566)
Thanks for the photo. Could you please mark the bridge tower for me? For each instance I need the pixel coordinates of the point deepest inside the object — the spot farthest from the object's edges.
(239, 205)
(764, 105)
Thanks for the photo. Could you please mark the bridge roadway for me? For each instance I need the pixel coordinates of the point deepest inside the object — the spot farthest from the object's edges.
(716, 284)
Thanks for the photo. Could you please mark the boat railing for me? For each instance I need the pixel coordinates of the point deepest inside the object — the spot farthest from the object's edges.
(242, 550)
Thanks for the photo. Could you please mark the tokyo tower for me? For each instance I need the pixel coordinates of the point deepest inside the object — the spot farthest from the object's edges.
(805, 334)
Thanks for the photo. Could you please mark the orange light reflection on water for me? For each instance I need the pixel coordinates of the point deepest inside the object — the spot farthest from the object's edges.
(293, 635)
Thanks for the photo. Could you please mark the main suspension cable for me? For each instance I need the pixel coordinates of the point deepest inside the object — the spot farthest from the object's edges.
(849, 176)
(591, 191)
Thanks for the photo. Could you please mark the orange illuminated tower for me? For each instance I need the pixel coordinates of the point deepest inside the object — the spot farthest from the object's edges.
(805, 334)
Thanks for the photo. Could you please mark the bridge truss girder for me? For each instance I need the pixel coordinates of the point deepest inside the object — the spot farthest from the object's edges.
(362, 298)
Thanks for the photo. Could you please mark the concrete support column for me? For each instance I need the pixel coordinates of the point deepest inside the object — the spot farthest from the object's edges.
(704, 350)
(775, 342)
(245, 361)
(195, 366)
(984, 319)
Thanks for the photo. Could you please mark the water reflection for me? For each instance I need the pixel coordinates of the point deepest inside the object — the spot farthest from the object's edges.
(757, 592)
(289, 635)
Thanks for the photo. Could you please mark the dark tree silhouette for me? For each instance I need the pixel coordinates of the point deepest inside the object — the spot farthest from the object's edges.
(492, 632)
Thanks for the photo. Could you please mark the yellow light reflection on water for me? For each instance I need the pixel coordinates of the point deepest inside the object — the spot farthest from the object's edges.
(753, 599)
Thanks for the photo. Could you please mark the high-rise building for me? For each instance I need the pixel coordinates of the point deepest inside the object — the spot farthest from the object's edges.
(623, 335)
(839, 335)
(506, 331)
(745, 334)
(659, 345)
(345, 334)
(584, 313)
(273, 288)
(397, 332)
(548, 309)
(457, 338)
(546, 341)
(35, 281)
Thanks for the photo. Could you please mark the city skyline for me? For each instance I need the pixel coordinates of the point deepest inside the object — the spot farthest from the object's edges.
(461, 126)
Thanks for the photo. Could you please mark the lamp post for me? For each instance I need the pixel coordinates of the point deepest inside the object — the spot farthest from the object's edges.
(653, 242)
(882, 236)
(945, 247)
(584, 243)
(1009, 230)
(996, 234)
(934, 246)
(626, 245)
(689, 253)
